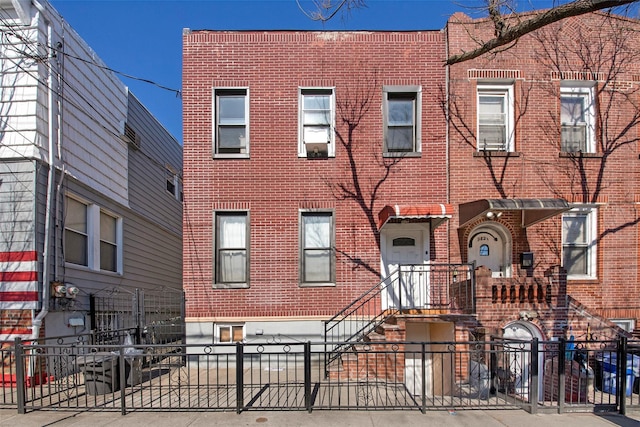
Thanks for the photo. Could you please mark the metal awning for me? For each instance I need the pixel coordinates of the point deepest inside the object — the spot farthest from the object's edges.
(533, 210)
(435, 213)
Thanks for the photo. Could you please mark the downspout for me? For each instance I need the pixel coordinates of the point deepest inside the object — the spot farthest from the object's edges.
(446, 136)
(37, 322)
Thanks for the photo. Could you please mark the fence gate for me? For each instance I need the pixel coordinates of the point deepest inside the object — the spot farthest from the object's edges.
(156, 316)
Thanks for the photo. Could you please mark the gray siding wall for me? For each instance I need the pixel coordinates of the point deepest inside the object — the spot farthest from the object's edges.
(149, 166)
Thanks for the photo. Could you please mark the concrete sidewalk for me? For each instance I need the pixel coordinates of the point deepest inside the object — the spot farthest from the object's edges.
(497, 418)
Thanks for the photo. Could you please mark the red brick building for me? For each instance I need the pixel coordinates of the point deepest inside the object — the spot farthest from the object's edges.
(316, 163)
(544, 173)
(304, 154)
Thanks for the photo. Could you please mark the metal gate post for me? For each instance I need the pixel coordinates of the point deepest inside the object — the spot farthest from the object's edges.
(533, 386)
(622, 374)
(239, 377)
(20, 380)
(561, 374)
(423, 409)
(123, 380)
(307, 375)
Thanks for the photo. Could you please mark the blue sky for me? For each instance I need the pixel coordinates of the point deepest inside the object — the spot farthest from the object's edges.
(143, 38)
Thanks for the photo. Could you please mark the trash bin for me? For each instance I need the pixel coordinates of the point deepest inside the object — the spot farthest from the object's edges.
(610, 372)
(101, 374)
(133, 366)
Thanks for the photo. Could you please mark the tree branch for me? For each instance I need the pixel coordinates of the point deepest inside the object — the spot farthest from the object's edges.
(510, 34)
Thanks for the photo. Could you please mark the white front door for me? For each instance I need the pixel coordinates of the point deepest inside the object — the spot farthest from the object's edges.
(405, 247)
(487, 247)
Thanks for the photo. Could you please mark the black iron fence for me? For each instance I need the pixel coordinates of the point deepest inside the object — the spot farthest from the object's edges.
(554, 376)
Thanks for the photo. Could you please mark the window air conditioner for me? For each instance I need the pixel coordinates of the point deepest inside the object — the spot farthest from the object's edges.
(574, 138)
(317, 150)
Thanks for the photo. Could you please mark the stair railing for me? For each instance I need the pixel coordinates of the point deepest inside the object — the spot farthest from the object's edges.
(419, 286)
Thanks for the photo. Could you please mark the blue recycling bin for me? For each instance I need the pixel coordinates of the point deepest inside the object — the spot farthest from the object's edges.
(610, 372)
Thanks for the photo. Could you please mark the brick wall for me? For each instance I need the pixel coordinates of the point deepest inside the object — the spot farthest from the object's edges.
(537, 66)
(275, 183)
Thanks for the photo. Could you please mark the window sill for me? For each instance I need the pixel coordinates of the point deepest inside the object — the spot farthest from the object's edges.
(231, 286)
(81, 267)
(403, 154)
(317, 285)
(231, 156)
(579, 154)
(484, 153)
(582, 278)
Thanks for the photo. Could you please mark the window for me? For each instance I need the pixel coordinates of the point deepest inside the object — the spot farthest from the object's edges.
(495, 118)
(317, 258)
(230, 333)
(316, 122)
(402, 113)
(174, 183)
(76, 238)
(628, 325)
(484, 250)
(92, 237)
(231, 112)
(231, 251)
(108, 242)
(577, 120)
(578, 242)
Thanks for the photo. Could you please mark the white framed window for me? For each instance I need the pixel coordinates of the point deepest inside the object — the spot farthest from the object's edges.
(577, 117)
(174, 183)
(579, 228)
(229, 333)
(92, 236)
(316, 122)
(231, 122)
(496, 118)
(402, 110)
(231, 249)
(317, 242)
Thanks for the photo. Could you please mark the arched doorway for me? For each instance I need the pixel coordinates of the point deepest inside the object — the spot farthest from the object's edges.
(520, 355)
(489, 245)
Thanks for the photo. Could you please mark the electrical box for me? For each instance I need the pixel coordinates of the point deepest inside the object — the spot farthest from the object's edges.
(76, 321)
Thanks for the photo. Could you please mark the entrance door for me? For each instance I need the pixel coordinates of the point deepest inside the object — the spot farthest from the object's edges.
(488, 247)
(519, 356)
(417, 333)
(405, 247)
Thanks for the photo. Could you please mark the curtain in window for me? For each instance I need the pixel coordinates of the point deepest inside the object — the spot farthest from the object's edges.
(317, 248)
(75, 233)
(576, 245)
(108, 243)
(401, 120)
(232, 248)
(492, 118)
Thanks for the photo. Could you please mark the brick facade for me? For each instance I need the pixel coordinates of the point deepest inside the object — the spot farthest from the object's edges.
(274, 183)
(538, 66)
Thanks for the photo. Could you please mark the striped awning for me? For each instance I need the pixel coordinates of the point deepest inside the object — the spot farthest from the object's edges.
(435, 213)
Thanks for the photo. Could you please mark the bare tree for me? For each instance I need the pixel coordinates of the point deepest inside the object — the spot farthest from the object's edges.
(353, 184)
(509, 25)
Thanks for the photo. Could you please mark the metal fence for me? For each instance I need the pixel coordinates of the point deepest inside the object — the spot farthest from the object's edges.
(154, 316)
(555, 376)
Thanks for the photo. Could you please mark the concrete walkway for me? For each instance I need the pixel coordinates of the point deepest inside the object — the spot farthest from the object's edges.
(498, 418)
